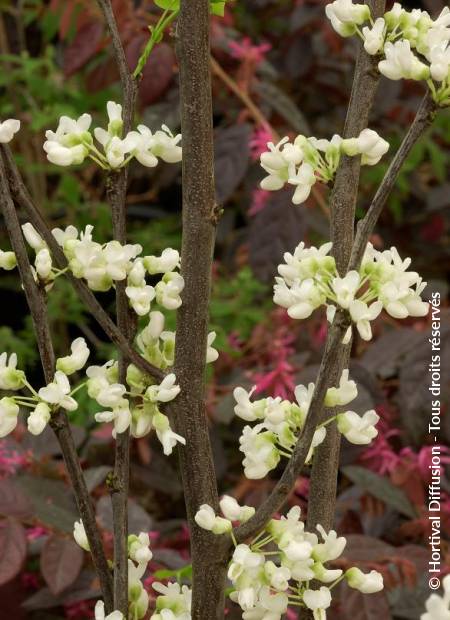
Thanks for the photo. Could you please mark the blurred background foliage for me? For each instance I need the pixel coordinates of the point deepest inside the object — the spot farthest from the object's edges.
(278, 69)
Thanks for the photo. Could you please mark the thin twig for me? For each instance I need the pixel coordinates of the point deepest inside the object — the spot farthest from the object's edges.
(343, 199)
(36, 301)
(23, 199)
(422, 120)
(116, 192)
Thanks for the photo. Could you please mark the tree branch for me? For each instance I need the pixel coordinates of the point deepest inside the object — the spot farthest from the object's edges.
(116, 189)
(199, 224)
(36, 301)
(23, 199)
(424, 117)
(323, 479)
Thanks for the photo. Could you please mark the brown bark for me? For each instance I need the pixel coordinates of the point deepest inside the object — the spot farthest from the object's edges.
(199, 227)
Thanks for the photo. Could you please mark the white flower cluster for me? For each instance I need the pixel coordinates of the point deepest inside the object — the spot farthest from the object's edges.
(280, 424)
(139, 554)
(438, 607)
(309, 279)
(8, 129)
(207, 519)
(72, 142)
(140, 410)
(57, 393)
(308, 160)
(101, 265)
(173, 603)
(276, 568)
(412, 44)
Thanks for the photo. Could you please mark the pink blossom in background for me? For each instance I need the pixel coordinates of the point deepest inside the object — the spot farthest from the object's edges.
(380, 456)
(259, 140)
(422, 459)
(280, 380)
(246, 50)
(33, 533)
(11, 460)
(79, 609)
(259, 201)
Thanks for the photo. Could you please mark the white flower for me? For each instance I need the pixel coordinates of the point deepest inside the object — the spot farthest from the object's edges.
(7, 260)
(57, 392)
(7, 130)
(342, 395)
(32, 237)
(437, 607)
(269, 606)
(318, 438)
(168, 261)
(365, 583)
(120, 416)
(233, 511)
(100, 613)
(165, 144)
(243, 559)
(116, 149)
(300, 300)
(358, 430)
(401, 62)
(76, 360)
(38, 419)
(374, 37)
(345, 288)
(244, 408)
(276, 164)
(8, 416)
(140, 298)
(261, 454)
(211, 353)
(318, 601)
(101, 385)
(166, 391)
(43, 263)
(349, 13)
(79, 534)
(371, 146)
(206, 519)
(174, 602)
(362, 314)
(165, 434)
(10, 377)
(304, 178)
(67, 145)
(331, 548)
(168, 290)
(439, 57)
(139, 548)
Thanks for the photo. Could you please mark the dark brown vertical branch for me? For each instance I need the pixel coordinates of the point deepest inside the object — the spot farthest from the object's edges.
(116, 193)
(199, 223)
(59, 422)
(322, 498)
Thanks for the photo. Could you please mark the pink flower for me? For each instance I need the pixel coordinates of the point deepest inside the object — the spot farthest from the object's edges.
(258, 141)
(79, 609)
(33, 533)
(11, 460)
(259, 201)
(246, 50)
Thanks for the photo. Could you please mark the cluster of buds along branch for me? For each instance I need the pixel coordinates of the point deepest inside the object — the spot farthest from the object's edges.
(309, 279)
(307, 160)
(275, 569)
(72, 142)
(411, 44)
(139, 556)
(280, 424)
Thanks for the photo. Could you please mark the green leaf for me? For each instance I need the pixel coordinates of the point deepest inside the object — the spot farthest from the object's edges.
(381, 488)
(168, 4)
(218, 8)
